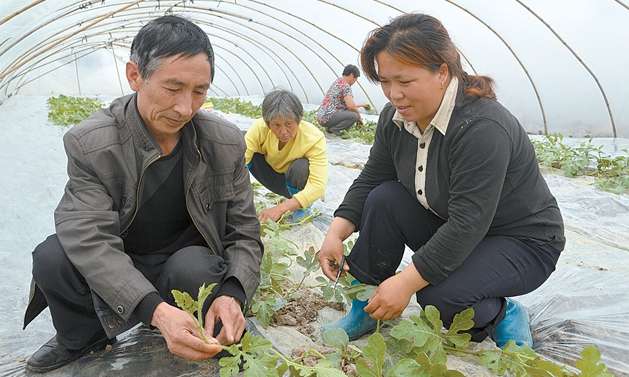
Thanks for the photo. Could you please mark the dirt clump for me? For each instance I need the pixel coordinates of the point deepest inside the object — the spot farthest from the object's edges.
(302, 310)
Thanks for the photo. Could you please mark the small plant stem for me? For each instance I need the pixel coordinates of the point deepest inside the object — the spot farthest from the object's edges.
(293, 363)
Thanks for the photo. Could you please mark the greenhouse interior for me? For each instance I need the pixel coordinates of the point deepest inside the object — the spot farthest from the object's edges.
(557, 67)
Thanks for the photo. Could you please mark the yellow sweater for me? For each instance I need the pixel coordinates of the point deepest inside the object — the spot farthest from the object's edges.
(309, 143)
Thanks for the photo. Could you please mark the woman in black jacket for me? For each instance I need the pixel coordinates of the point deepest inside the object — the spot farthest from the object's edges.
(453, 175)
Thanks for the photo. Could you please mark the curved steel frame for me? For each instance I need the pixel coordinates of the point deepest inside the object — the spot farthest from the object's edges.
(52, 49)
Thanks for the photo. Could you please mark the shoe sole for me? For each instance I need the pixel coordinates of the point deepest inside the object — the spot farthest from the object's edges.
(99, 345)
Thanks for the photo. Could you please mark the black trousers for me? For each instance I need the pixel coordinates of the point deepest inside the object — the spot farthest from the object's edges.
(296, 175)
(70, 300)
(498, 267)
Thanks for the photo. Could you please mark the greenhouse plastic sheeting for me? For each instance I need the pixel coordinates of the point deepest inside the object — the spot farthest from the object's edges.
(534, 50)
(585, 301)
(581, 306)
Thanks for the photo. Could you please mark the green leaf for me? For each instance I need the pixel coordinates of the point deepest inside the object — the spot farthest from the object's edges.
(361, 292)
(492, 360)
(336, 338)
(184, 301)
(204, 293)
(327, 292)
(407, 368)
(372, 361)
(433, 316)
(436, 368)
(590, 363)
(309, 260)
(462, 321)
(255, 344)
(414, 330)
(263, 310)
(259, 366)
(229, 366)
(545, 368)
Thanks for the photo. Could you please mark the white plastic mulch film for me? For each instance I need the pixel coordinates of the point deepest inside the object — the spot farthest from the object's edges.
(558, 65)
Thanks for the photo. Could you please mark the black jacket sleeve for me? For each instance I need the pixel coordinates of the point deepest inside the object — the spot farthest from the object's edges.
(378, 169)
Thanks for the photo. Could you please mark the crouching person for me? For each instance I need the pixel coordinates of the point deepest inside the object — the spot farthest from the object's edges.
(453, 175)
(287, 155)
(157, 199)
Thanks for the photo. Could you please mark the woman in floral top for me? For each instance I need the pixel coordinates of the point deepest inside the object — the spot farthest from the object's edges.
(338, 111)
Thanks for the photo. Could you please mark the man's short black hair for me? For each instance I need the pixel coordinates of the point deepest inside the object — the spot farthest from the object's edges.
(169, 36)
(351, 69)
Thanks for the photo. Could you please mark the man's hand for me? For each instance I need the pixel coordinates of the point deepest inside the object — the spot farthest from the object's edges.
(181, 332)
(273, 213)
(227, 310)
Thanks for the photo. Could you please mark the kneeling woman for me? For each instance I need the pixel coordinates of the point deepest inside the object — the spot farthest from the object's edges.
(453, 175)
(287, 155)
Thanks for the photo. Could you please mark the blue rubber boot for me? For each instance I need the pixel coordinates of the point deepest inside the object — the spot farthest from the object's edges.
(356, 323)
(514, 326)
(300, 213)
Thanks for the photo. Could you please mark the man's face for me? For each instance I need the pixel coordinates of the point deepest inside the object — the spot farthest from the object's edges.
(172, 94)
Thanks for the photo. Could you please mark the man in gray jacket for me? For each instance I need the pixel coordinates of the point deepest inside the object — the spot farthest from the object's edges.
(158, 198)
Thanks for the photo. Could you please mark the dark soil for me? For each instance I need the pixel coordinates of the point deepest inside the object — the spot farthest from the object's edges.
(302, 310)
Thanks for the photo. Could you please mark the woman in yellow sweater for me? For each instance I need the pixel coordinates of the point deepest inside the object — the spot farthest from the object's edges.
(287, 155)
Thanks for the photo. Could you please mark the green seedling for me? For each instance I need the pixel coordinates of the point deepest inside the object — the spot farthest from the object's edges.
(192, 306)
(610, 173)
(67, 111)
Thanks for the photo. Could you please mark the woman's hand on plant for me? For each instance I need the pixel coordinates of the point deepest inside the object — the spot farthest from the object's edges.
(393, 295)
(181, 332)
(390, 299)
(330, 256)
(331, 250)
(273, 214)
(227, 310)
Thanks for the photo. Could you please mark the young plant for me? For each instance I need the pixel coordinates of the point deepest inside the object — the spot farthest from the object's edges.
(414, 347)
(344, 354)
(192, 306)
(365, 133)
(235, 106)
(66, 111)
(611, 173)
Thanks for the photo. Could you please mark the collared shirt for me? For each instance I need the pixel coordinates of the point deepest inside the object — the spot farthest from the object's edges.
(440, 122)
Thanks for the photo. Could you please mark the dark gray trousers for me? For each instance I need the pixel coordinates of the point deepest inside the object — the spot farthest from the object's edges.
(498, 267)
(296, 175)
(70, 299)
(341, 120)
